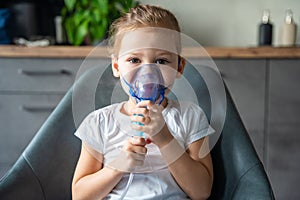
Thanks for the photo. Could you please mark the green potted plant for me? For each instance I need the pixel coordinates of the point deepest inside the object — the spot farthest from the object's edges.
(87, 21)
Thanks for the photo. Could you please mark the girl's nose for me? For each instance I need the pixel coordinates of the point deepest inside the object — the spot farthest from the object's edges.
(147, 62)
(148, 67)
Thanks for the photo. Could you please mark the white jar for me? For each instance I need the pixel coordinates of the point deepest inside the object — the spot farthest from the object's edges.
(288, 31)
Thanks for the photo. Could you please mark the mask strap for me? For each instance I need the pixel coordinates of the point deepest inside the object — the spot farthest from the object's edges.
(130, 88)
(162, 94)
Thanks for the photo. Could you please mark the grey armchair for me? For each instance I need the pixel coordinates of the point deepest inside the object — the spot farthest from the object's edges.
(45, 168)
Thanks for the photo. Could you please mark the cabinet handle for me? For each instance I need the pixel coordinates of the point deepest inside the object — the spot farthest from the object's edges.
(44, 72)
(30, 108)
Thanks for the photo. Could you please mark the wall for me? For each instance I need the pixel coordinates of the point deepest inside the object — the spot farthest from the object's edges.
(228, 22)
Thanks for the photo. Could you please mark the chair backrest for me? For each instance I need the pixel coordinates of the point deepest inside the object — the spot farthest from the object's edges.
(46, 167)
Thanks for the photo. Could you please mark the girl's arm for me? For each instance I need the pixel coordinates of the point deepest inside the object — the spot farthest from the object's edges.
(193, 174)
(93, 181)
(90, 180)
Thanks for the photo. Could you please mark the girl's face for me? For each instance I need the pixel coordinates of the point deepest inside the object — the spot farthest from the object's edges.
(156, 46)
(169, 64)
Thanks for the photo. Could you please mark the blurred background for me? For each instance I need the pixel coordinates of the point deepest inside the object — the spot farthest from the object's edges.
(30, 18)
(228, 22)
(210, 22)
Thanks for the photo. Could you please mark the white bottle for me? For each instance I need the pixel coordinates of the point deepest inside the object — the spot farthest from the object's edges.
(287, 35)
(59, 31)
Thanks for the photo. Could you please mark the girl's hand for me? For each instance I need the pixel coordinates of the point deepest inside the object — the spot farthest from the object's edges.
(154, 125)
(132, 155)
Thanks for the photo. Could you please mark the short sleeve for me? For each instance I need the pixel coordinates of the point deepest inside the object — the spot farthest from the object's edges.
(89, 132)
(196, 124)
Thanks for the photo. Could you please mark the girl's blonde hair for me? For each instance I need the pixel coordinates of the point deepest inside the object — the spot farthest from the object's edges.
(139, 17)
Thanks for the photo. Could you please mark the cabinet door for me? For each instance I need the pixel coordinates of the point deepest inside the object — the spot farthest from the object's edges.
(21, 117)
(245, 80)
(37, 75)
(284, 128)
(42, 75)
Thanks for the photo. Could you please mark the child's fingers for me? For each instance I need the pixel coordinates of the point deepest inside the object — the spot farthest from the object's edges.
(139, 150)
(137, 127)
(143, 111)
(127, 161)
(142, 119)
(149, 111)
(138, 141)
(136, 148)
(157, 108)
(144, 104)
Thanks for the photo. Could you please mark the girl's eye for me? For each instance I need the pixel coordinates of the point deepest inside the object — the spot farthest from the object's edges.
(134, 60)
(162, 61)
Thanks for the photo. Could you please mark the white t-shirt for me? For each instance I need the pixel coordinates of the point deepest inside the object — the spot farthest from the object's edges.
(106, 130)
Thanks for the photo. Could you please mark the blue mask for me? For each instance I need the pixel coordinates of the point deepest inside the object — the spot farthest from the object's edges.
(146, 83)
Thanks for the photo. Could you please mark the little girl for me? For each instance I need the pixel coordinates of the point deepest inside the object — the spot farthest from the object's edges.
(165, 157)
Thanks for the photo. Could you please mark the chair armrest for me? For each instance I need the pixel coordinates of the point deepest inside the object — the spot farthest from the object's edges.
(253, 183)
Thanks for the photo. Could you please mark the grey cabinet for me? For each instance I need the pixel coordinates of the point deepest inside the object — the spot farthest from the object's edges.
(37, 75)
(21, 116)
(30, 88)
(283, 162)
(29, 91)
(245, 79)
(267, 95)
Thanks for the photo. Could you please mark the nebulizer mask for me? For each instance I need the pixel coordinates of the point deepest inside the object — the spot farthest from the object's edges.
(145, 82)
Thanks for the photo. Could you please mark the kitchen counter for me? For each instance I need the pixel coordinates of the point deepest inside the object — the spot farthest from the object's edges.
(102, 52)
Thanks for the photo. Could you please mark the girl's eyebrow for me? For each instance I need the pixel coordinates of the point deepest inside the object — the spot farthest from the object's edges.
(165, 54)
(158, 53)
(133, 54)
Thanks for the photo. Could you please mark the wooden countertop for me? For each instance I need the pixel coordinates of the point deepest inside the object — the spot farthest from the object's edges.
(102, 52)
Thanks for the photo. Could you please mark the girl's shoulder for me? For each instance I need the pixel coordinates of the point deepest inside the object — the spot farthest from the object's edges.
(106, 109)
(104, 112)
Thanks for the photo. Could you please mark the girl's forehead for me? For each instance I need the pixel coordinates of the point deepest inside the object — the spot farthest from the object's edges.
(150, 38)
(149, 52)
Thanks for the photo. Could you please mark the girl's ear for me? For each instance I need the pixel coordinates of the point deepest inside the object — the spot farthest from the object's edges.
(181, 65)
(115, 66)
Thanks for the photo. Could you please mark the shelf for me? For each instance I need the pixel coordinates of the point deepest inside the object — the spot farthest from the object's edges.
(102, 52)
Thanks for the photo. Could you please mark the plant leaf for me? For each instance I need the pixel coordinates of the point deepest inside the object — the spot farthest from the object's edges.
(103, 6)
(96, 15)
(78, 17)
(69, 27)
(82, 18)
(70, 4)
(63, 12)
(85, 3)
(81, 33)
